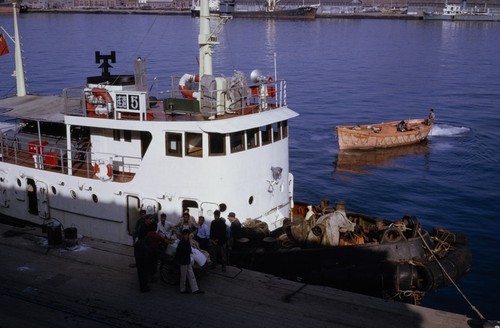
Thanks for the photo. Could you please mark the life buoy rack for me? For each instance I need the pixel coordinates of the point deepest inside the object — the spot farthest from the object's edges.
(188, 78)
(99, 103)
(103, 170)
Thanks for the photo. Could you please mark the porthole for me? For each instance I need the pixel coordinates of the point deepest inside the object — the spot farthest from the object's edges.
(73, 194)
(53, 190)
(19, 183)
(250, 200)
(222, 207)
(94, 198)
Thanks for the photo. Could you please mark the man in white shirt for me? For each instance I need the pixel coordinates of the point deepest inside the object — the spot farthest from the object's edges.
(203, 234)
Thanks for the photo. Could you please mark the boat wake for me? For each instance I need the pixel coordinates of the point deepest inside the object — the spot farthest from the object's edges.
(444, 130)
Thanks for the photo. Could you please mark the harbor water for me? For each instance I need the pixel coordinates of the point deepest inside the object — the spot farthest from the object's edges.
(338, 71)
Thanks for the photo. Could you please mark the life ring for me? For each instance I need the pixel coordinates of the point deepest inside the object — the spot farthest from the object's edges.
(103, 171)
(188, 93)
(391, 236)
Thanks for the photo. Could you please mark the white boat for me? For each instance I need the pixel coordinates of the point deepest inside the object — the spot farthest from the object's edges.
(93, 157)
(266, 9)
(460, 12)
(383, 135)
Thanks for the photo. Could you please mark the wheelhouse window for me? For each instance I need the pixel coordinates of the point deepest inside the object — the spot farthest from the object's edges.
(277, 131)
(173, 142)
(252, 138)
(127, 135)
(284, 129)
(116, 135)
(237, 141)
(216, 144)
(265, 132)
(194, 144)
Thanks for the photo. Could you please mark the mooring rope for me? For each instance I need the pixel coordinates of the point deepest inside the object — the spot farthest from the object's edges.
(452, 281)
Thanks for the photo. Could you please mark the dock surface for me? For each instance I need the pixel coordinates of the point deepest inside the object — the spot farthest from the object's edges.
(94, 284)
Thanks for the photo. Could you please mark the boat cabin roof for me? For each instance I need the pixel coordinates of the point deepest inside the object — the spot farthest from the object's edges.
(48, 108)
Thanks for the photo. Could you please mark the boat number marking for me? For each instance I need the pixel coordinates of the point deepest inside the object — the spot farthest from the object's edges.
(130, 102)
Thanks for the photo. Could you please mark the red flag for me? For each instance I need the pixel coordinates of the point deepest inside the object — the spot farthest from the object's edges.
(3, 46)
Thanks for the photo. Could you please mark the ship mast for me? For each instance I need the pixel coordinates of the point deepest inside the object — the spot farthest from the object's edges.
(206, 40)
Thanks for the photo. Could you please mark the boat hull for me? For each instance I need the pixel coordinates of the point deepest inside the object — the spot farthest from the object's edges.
(306, 12)
(463, 17)
(383, 135)
(386, 268)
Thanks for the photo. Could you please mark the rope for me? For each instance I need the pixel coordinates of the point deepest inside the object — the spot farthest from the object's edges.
(452, 281)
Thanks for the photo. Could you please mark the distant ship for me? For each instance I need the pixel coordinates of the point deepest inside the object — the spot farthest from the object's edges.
(270, 9)
(456, 12)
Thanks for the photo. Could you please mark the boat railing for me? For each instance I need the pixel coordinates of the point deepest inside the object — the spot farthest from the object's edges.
(239, 98)
(45, 156)
(260, 97)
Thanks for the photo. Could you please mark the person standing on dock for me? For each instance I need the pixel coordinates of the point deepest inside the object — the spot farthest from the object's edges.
(218, 240)
(183, 257)
(203, 234)
(142, 261)
(235, 229)
(139, 225)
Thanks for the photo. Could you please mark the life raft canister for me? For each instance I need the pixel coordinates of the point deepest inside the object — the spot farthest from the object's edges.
(99, 103)
(188, 93)
(103, 170)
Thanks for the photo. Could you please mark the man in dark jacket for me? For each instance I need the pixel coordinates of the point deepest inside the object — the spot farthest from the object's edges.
(218, 239)
(183, 257)
(142, 261)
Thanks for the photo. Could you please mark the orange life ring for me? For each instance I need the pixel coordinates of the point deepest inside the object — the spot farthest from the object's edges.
(187, 93)
(101, 175)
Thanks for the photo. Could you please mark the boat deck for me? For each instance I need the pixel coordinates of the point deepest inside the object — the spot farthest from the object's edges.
(54, 162)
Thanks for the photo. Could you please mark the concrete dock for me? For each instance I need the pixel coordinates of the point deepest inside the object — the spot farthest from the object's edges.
(94, 285)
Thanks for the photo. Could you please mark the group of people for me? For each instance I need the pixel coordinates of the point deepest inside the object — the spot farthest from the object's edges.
(188, 236)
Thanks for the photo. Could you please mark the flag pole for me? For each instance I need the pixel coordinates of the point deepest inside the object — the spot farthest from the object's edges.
(19, 72)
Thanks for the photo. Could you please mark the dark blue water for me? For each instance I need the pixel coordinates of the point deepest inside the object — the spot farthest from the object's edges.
(338, 72)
